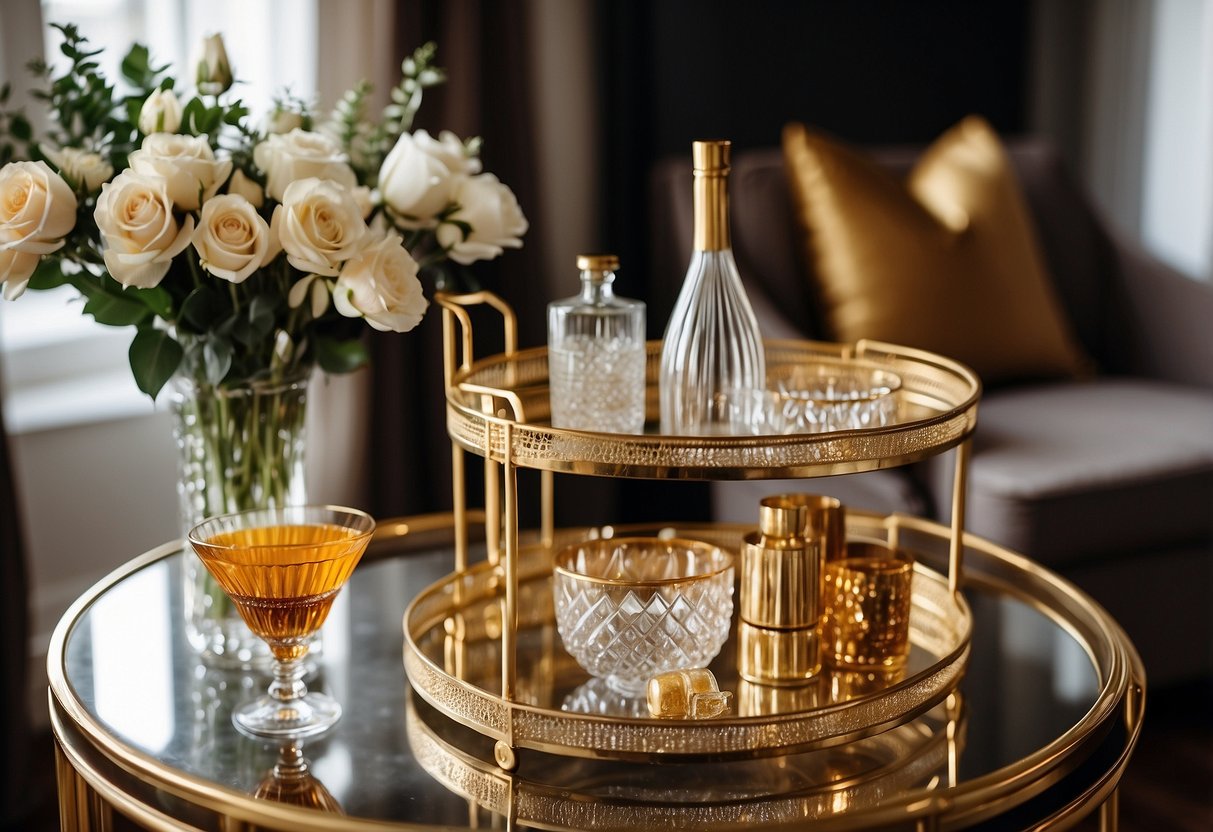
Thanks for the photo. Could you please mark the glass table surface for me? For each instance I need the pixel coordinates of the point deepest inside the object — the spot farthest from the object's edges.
(127, 672)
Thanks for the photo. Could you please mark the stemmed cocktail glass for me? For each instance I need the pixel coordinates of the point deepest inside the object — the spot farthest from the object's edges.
(282, 568)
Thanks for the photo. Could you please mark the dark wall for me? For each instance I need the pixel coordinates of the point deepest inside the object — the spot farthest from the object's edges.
(869, 71)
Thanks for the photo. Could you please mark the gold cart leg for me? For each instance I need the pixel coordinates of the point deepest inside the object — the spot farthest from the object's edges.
(492, 511)
(959, 486)
(547, 515)
(1109, 813)
(504, 750)
(460, 509)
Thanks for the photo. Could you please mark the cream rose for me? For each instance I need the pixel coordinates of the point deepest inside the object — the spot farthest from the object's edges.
(381, 285)
(320, 225)
(299, 154)
(37, 208)
(491, 210)
(186, 163)
(15, 270)
(419, 175)
(81, 167)
(232, 240)
(245, 187)
(160, 113)
(135, 216)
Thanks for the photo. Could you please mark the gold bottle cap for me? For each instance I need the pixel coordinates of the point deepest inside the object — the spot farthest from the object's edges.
(783, 515)
(598, 262)
(711, 156)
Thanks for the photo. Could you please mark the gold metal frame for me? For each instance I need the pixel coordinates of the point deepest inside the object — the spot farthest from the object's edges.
(497, 408)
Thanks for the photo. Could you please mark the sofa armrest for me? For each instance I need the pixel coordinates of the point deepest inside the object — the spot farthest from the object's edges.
(1167, 320)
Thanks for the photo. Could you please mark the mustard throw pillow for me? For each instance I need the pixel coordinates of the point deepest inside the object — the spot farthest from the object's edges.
(946, 261)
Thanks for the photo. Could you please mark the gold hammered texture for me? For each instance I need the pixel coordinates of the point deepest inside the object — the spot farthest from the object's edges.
(936, 409)
(941, 625)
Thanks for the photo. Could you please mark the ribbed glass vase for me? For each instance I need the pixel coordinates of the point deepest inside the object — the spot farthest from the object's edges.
(239, 448)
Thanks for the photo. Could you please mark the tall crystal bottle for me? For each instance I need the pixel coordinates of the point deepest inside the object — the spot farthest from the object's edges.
(596, 354)
(713, 370)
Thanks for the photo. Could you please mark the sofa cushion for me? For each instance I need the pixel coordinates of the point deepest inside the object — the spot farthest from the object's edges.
(947, 261)
(1069, 473)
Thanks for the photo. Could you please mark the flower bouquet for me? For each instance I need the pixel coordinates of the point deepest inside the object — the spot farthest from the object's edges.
(243, 253)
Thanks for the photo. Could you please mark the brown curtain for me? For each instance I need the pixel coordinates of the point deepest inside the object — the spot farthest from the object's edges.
(483, 46)
(14, 624)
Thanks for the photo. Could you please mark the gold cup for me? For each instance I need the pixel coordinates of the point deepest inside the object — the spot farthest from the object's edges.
(868, 599)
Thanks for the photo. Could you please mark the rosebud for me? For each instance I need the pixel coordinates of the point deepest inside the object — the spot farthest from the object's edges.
(214, 73)
(161, 113)
(283, 120)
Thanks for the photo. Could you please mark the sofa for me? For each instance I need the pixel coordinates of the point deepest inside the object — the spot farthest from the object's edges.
(1106, 479)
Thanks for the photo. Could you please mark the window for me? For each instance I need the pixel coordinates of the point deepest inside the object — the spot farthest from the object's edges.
(57, 360)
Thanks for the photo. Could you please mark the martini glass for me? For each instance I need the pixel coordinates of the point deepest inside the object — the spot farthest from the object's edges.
(282, 568)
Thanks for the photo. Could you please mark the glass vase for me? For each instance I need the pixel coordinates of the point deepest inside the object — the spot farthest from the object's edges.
(239, 448)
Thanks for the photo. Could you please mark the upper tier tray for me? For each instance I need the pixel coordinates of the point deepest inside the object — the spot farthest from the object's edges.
(502, 402)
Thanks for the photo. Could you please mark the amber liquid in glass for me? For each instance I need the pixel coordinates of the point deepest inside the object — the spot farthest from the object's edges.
(283, 579)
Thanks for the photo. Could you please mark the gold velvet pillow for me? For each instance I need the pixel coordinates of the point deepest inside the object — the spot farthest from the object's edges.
(946, 261)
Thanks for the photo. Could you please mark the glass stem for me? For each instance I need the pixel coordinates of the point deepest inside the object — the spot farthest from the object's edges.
(288, 680)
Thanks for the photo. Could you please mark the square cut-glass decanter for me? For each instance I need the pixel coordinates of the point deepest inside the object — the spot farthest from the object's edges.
(596, 354)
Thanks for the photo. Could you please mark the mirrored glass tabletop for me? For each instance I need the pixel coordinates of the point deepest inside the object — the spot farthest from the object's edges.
(131, 680)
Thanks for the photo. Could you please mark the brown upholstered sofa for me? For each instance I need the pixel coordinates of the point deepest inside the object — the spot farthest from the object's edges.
(1108, 481)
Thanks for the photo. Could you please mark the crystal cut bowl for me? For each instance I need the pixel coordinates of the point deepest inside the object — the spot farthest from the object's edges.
(630, 608)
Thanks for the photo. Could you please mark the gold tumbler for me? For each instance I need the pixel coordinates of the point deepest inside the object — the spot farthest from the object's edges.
(868, 597)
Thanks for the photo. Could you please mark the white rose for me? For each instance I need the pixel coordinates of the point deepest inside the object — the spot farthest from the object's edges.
(232, 240)
(160, 113)
(282, 120)
(419, 175)
(300, 155)
(81, 167)
(37, 208)
(491, 210)
(135, 216)
(15, 270)
(381, 285)
(186, 163)
(243, 186)
(214, 73)
(320, 225)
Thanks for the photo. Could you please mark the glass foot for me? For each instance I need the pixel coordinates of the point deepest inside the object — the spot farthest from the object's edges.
(267, 716)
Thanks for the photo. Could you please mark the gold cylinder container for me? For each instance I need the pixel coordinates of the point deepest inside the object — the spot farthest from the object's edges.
(782, 569)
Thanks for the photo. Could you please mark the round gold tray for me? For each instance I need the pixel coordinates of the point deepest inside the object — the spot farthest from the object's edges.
(453, 657)
(558, 793)
(501, 403)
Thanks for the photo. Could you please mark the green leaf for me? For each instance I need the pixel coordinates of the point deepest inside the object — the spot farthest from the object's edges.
(156, 299)
(135, 65)
(48, 275)
(154, 357)
(341, 356)
(112, 308)
(261, 316)
(202, 307)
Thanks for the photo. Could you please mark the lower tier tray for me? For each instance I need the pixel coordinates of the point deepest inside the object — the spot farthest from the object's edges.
(453, 658)
(551, 792)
